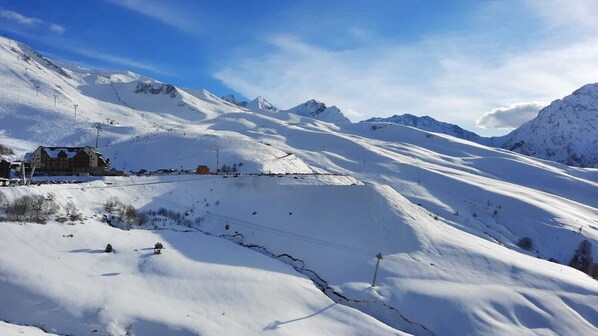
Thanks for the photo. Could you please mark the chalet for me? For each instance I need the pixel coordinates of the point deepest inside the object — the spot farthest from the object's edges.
(68, 161)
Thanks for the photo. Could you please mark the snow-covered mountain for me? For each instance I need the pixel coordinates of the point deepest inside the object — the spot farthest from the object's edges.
(566, 131)
(291, 253)
(432, 125)
(318, 110)
(260, 104)
(311, 109)
(233, 100)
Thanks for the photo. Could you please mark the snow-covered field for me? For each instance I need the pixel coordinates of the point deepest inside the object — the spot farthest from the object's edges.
(446, 215)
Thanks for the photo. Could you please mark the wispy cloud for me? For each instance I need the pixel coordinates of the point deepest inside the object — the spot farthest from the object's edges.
(510, 117)
(30, 21)
(120, 60)
(452, 78)
(57, 28)
(19, 18)
(161, 11)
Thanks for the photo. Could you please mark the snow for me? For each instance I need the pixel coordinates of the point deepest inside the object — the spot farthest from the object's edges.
(8, 329)
(318, 110)
(432, 125)
(445, 213)
(566, 131)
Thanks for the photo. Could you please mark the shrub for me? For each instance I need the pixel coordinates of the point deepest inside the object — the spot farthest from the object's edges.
(20, 207)
(5, 150)
(129, 213)
(525, 243)
(36, 208)
(142, 218)
(113, 204)
(582, 258)
(72, 212)
(3, 201)
(42, 207)
(108, 248)
(158, 248)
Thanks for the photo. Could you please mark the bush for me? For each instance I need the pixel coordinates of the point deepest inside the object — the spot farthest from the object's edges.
(108, 248)
(525, 243)
(3, 201)
(42, 207)
(5, 150)
(582, 258)
(72, 212)
(113, 204)
(36, 208)
(142, 218)
(18, 209)
(129, 214)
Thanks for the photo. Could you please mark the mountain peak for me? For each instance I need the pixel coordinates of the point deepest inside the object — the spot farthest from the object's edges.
(233, 100)
(318, 110)
(564, 131)
(260, 104)
(430, 124)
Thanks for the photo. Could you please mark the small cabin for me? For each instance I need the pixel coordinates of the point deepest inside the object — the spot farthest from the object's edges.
(202, 170)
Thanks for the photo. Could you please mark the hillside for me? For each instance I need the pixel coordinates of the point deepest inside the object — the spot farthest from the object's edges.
(566, 131)
(432, 125)
(318, 110)
(300, 249)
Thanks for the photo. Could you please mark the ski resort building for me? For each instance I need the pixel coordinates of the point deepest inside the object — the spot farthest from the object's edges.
(68, 161)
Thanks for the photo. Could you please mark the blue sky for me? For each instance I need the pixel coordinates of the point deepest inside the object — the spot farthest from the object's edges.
(485, 65)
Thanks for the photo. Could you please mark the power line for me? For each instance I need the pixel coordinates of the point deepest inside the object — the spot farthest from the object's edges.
(317, 241)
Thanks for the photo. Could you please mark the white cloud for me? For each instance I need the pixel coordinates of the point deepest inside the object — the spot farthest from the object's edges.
(30, 21)
(511, 116)
(57, 28)
(161, 11)
(435, 77)
(566, 13)
(19, 18)
(109, 58)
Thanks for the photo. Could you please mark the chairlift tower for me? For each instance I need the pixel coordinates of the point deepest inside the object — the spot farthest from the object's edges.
(98, 127)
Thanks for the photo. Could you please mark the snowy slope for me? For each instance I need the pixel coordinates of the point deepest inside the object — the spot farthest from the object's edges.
(233, 100)
(259, 104)
(318, 110)
(566, 131)
(460, 273)
(200, 285)
(135, 114)
(9, 329)
(437, 279)
(432, 125)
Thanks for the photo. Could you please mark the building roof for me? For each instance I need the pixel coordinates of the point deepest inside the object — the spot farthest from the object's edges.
(70, 151)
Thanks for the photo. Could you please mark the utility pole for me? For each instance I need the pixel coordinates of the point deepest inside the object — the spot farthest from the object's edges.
(76, 110)
(32, 172)
(55, 96)
(379, 257)
(98, 128)
(217, 159)
(23, 176)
